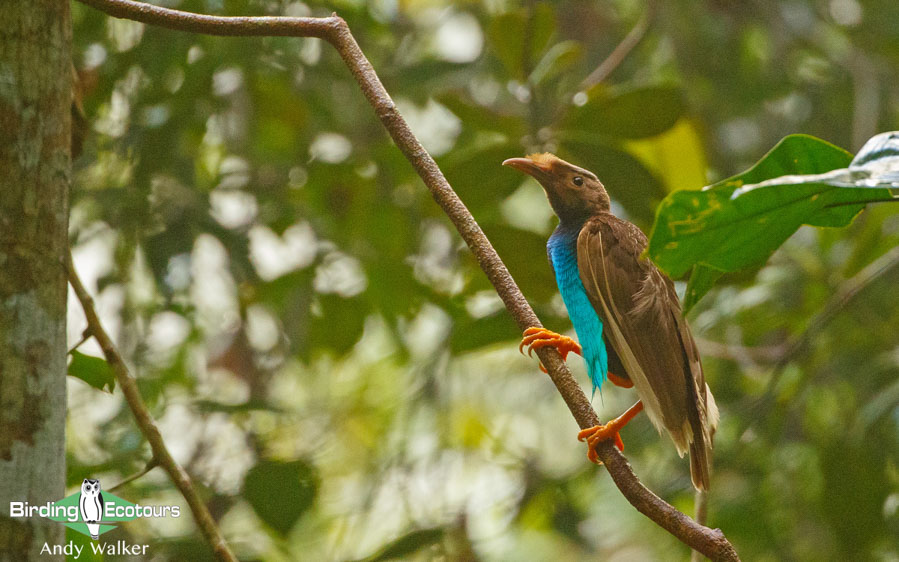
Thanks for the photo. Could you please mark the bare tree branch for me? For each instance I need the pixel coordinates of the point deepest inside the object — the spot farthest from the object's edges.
(334, 30)
(145, 421)
(147, 468)
(620, 52)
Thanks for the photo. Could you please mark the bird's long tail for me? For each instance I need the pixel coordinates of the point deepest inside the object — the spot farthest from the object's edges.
(700, 462)
(701, 447)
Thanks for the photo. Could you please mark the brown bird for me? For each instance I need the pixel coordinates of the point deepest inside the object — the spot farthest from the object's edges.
(626, 315)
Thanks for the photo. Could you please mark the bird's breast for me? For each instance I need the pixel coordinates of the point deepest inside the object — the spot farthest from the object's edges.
(562, 250)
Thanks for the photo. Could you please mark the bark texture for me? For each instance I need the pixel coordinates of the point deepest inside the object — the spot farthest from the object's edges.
(35, 172)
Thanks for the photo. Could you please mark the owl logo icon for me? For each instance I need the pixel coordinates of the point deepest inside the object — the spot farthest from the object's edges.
(91, 504)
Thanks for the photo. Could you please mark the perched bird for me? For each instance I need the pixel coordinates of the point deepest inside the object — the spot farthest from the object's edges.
(625, 313)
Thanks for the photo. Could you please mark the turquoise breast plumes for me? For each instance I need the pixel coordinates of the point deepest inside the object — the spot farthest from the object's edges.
(562, 250)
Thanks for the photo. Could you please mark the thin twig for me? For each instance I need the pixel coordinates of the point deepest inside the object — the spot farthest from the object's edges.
(620, 52)
(710, 542)
(731, 351)
(85, 335)
(145, 420)
(151, 464)
(844, 294)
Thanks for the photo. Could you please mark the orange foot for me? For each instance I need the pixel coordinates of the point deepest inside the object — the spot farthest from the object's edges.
(594, 435)
(535, 338)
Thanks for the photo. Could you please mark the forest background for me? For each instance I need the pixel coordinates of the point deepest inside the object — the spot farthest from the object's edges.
(325, 356)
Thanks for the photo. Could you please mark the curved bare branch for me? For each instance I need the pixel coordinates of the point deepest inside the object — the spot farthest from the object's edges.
(145, 421)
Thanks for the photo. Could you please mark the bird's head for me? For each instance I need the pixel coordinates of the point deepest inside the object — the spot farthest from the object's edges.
(574, 193)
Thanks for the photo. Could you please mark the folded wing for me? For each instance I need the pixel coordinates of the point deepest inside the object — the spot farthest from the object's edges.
(645, 327)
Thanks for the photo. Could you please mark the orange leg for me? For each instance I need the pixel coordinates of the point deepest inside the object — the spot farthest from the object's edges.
(619, 381)
(535, 338)
(595, 434)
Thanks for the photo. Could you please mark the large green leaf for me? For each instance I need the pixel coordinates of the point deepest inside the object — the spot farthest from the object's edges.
(335, 325)
(677, 156)
(92, 370)
(280, 492)
(631, 114)
(740, 221)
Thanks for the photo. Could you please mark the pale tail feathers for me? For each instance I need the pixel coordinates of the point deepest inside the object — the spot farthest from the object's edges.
(701, 448)
(714, 416)
(705, 411)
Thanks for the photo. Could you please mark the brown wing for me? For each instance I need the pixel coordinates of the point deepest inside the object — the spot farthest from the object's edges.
(642, 320)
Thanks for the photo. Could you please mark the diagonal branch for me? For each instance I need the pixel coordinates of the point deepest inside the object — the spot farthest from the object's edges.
(145, 421)
(335, 31)
(622, 50)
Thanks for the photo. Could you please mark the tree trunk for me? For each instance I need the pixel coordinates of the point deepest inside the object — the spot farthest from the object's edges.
(35, 171)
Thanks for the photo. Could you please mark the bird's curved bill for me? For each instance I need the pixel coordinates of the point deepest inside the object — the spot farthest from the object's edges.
(528, 166)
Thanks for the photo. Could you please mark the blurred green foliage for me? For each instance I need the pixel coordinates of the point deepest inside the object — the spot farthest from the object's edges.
(328, 361)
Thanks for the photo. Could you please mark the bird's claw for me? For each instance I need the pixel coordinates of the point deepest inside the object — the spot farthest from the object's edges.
(535, 338)
(596, 434)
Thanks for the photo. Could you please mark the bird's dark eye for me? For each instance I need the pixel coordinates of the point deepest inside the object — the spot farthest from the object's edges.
(578, 181)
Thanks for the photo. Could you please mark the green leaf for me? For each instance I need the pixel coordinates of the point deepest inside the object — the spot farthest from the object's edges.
(335, 325)
(631, 114)
(542, 28)
(505, 34)
(740, 221)
(702, 279)
(92, 370)
(280, 492)
(676, 156)
(510, 34)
